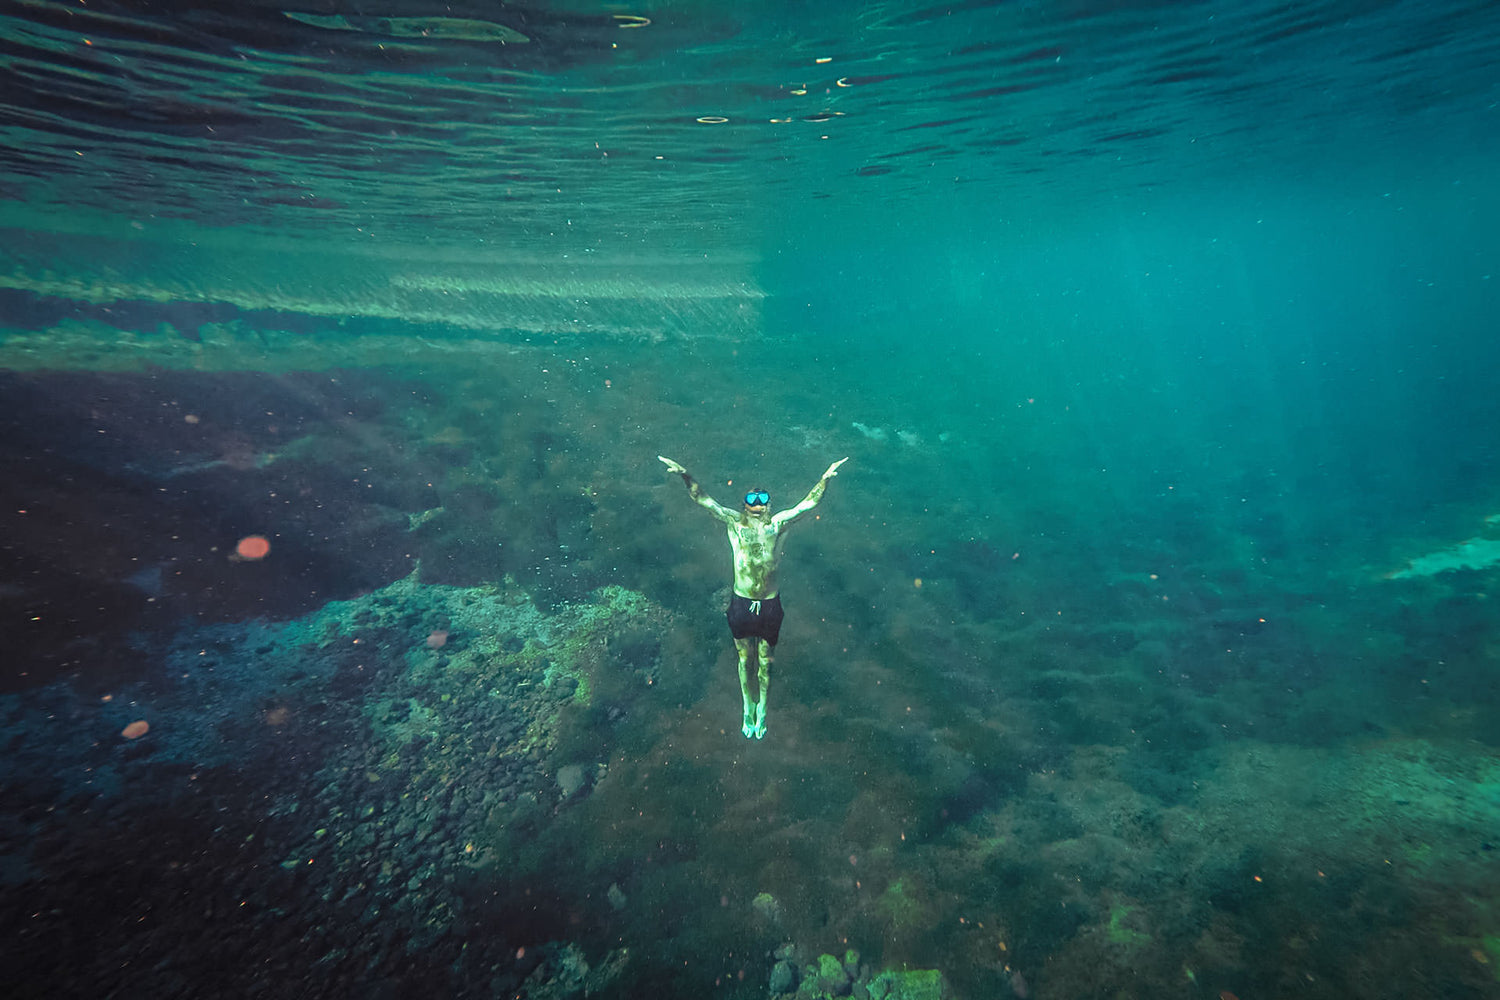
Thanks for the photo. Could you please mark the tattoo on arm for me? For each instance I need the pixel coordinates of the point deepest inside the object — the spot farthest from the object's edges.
(705, 501)
(810, 501)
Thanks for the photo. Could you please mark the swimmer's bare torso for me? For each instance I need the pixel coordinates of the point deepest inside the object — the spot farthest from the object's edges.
(755, 541)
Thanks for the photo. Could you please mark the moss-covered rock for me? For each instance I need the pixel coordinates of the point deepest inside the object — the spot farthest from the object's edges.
(907, 984)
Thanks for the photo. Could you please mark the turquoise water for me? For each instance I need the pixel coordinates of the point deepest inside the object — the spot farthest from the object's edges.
(1143, 647)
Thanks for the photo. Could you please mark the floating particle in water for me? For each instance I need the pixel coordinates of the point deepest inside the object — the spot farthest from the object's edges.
(137, 729)
(437, 639)
(252, 547)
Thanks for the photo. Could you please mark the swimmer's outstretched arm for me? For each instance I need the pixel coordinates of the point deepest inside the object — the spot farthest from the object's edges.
(696, 492)
(811, 500)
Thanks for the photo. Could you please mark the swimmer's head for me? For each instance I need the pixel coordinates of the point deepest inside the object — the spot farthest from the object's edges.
(756, 500)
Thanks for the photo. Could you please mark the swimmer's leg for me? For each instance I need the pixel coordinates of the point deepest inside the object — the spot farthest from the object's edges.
(742, 649)
(763, 651)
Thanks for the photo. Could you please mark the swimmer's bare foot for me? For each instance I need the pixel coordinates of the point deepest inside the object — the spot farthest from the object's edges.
(759, 730)
(748, 727)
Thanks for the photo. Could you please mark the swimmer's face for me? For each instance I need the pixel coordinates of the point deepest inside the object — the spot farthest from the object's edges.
(757, 502)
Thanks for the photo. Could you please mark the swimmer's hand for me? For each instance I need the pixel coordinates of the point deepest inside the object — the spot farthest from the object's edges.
(833, 469)
(671, 465)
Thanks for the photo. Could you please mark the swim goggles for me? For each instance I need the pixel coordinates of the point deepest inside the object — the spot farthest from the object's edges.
(757, 498)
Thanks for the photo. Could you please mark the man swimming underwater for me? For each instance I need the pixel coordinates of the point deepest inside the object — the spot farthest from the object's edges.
(755, 536)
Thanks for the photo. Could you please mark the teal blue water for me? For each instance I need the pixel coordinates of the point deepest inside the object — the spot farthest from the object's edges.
(1145, 646)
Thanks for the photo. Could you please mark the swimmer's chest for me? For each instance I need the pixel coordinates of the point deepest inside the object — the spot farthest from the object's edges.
(754, 541)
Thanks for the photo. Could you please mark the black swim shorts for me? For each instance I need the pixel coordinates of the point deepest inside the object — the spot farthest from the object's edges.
(760, 619)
